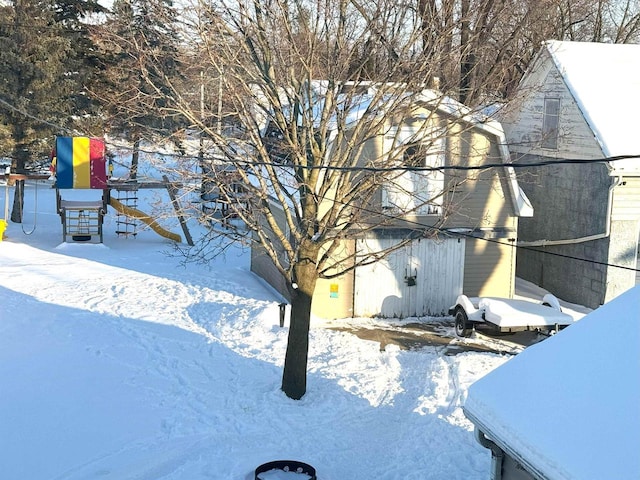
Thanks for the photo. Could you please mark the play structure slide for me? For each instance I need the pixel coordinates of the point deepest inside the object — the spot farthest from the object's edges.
(132, 212)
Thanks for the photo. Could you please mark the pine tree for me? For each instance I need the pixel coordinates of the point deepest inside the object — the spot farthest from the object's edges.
(32, 68)
(42, 70)
(83, 60)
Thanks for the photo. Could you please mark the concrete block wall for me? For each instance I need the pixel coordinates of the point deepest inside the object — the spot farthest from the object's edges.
(569, 201)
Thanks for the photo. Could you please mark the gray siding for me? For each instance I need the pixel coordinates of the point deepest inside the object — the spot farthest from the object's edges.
(569, 201)
(263, 266)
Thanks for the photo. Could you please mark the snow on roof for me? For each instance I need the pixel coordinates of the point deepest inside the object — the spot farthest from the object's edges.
(357, 105)
(605, 82)
(447, 105)
(569, 407)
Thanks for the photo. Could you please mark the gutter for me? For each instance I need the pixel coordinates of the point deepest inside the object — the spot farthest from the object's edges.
(589, 238)
(497, 454)
(499, 450)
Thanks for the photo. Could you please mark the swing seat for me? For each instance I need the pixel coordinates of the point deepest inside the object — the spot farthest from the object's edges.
(80, 164)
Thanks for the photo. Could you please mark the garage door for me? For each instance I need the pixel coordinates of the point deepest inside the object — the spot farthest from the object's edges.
(423, 278)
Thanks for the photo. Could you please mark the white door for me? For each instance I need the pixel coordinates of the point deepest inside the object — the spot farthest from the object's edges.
(423, 278)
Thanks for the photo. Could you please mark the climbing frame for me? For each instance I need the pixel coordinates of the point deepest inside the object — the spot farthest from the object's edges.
(80, 164)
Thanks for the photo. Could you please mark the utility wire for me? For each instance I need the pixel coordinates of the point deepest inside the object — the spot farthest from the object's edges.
(240, 162)
(485, 166)
(284, 165)
(21, 111)
(390, 169)
(492, 240)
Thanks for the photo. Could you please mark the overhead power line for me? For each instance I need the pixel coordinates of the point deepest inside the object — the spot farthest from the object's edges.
(22, 111)
(486, 166)
(542, 163)
(241, 161)
(394, 168)
(470, 235)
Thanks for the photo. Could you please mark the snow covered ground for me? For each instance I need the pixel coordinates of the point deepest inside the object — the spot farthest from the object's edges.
(118, 362)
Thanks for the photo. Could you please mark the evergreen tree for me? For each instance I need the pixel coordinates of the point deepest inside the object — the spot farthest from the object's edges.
(42, 71)
(83, 60)
(32, 68)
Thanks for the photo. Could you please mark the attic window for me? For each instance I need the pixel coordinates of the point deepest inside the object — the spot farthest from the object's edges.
(416, 191)
(550, 123)
(415, 155)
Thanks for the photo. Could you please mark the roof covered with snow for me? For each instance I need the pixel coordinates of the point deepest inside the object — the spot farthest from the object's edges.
(605, 82)
(436, 101)
(569, 407)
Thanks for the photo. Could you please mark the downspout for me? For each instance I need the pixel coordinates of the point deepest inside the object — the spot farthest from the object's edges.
(571, 241)
(496, 454)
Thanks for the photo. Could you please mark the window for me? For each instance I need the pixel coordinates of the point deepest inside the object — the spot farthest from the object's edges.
(417, 192)
(550, 123)
(414, 155)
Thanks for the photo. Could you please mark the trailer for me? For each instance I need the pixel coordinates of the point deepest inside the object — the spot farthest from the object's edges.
(507, 315)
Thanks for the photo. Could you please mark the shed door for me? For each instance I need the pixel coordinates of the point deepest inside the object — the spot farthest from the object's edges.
(422, 279)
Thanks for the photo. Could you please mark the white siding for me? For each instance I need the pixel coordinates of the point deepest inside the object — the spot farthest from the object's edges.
(416, 192)
(523, 119)
(381, 289)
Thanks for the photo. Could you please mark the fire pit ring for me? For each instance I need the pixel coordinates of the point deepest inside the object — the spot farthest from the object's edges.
(287, 466)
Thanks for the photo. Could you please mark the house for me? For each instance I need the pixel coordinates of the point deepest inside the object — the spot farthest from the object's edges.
(576, 109)
(567, 408)
(462, 239)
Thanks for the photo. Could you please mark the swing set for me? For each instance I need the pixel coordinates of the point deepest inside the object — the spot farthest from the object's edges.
(79, 163)
(10, 179)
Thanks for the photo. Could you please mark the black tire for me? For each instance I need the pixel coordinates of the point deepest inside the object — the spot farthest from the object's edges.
(463, 326)
(547, 304)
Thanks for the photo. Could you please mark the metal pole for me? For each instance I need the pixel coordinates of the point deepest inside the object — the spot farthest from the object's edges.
(6, 193)
(220, 102)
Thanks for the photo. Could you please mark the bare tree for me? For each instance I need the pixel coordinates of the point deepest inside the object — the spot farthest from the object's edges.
(490, 43)
(139, 58)
(298, 160)
(301, 171)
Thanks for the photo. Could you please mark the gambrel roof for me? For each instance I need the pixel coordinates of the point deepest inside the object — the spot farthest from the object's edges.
(444, 104)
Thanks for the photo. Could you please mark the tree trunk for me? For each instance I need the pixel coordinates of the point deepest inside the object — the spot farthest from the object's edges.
(18, 202)
(467, 61)
(133, 174)
(294, 377)
(20, 160)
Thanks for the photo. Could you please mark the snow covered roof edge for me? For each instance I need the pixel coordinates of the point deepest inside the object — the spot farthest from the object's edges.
(585, 383)
(604, 81)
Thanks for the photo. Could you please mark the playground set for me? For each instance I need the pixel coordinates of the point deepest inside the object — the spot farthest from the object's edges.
(79, 163)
